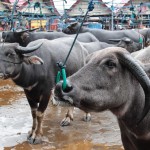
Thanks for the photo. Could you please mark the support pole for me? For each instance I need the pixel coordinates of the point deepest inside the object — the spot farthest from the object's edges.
(64, 12)
(112, 16)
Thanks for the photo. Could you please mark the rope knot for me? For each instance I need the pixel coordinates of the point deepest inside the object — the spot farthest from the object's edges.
(91, 5)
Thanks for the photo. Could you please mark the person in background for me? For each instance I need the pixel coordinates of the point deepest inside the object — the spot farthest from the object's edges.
(1, 28)
(41, 28)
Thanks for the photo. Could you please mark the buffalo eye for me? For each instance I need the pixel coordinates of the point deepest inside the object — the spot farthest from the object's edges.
(10, 55)
(110, 64)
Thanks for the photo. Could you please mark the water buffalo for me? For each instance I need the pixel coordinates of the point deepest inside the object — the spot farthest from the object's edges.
(125, 42)
(38, 81)
(128, 44)
(104, 35)
(23, 37)
(113, 80)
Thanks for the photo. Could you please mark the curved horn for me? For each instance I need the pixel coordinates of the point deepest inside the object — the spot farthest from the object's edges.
(31, 30)
(21, 31)
(126, 39)
(115, 40)
(50, 31)
(141, 76)
(24, 50)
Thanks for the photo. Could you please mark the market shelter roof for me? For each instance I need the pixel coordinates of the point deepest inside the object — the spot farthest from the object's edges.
(5, 6)
(79, 8)
(140, 7)
(47, 7)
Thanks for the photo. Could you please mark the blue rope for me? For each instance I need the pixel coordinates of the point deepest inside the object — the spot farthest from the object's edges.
(62, 65)
(90, 8)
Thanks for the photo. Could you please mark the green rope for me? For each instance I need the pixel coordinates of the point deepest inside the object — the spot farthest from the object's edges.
(140, 40)
(58, 76)
(64, 85)
(62, 75)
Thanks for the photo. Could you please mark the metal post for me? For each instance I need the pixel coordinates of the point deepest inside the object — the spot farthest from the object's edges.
(112, 16)
(64, 8)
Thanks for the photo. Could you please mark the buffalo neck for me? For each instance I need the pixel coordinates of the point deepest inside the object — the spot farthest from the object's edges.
(134, 109)
(84, 29)
(26, 76)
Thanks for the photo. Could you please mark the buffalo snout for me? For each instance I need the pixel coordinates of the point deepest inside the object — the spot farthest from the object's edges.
(59, 87)
(63, 94)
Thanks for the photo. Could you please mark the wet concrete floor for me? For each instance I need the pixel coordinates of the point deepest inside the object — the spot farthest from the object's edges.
(101, 133)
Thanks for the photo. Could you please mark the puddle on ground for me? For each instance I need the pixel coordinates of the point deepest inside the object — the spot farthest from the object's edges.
(101, 133)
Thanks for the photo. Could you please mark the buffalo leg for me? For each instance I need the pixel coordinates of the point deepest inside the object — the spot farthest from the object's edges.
(69, 116)
(87, 117)
(34, 107)
(35, 135)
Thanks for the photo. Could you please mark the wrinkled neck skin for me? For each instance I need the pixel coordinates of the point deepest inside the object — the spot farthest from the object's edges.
(129, 113)
(84, 29)
(25, 76)
(16, 71)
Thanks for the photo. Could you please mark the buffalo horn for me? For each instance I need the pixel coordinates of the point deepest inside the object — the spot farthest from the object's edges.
(127, 40)
(141, 76)
(115, 40)
(24, 50)
(21, 31)
(31, 30)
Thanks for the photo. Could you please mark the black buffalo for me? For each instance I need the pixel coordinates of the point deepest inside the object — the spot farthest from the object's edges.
(24, 37)
(128, 44)
(38, 81)
(125, 42)
(105, 35)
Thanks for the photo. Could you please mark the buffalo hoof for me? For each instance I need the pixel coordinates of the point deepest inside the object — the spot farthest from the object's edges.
(65, 122)
(87, 117)
(36, 140)
(32, 138)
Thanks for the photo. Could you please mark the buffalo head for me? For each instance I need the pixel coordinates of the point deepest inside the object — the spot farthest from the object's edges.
(110, 80)
(16, 36)
(72, 28)
(21, 36)
(128, 44)
(12, 56)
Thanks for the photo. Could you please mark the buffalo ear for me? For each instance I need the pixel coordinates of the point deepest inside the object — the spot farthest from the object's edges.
(24, 36)
(88, 58)
(33, 60)
(34, 29)
(74, 24)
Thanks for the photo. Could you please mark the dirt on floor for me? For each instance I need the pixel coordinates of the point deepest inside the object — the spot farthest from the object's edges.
(101, 133)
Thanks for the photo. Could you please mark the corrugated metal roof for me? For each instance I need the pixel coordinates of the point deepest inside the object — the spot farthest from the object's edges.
(79, 8)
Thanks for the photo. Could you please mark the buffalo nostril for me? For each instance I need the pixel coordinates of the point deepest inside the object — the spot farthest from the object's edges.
(59, 88)
(68, 88)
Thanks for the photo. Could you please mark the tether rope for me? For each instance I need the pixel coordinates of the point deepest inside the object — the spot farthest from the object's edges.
(61, 65)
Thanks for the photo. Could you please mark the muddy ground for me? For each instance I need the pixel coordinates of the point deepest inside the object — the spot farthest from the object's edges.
(101, 133)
